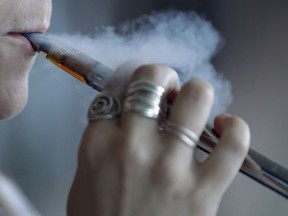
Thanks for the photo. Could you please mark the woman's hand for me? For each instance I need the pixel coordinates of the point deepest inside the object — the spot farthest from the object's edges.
(128, 167)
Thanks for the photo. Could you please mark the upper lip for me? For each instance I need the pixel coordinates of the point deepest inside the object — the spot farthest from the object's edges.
(40, 29)
(25, 32)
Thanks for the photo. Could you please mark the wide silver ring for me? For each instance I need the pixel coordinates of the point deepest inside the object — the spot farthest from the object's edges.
(104, 106)
(184, 134)
(145, 98)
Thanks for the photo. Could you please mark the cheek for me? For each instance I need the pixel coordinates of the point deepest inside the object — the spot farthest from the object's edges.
(5, 8)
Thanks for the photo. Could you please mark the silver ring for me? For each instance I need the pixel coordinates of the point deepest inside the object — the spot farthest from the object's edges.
(104, 106)
(144, 98)
(184, 134)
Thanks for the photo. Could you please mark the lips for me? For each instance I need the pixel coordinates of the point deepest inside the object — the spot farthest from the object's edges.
(17, 35)
(41, 28)
(19, 39)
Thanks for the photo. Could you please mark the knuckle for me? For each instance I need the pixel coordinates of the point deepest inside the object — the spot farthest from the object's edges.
(86, 146)
(241, 135)
(199, 90)
(164, 178)
(133, 153)
(85, 152)
(95, 142)
(155, 72)
(167, 175)
(239, 148)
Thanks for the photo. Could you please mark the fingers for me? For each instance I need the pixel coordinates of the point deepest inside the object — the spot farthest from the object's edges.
(116, 87)
(135, 128)
(226, 159)
(137, 137)
(160, 75)
(191, 110)
(140, 133)
(122, 76)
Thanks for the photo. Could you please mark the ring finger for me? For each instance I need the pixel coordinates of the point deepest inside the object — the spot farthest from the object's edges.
(190, 112)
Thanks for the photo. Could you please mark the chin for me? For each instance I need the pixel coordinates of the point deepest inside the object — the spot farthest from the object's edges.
(13, 102)
(12, 109)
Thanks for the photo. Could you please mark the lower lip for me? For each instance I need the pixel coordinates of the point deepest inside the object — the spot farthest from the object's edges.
(23, 40)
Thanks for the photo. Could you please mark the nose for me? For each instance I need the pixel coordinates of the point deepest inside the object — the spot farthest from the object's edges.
(46, 8)
(40, 11)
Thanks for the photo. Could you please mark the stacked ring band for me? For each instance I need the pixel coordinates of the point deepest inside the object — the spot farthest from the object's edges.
(184, 134)
(144, 98)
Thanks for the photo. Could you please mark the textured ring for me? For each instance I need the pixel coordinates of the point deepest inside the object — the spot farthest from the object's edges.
(104, 106)
(144, 98)
(184, 134)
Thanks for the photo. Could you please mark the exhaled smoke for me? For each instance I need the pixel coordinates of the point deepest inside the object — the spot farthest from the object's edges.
(183, 40)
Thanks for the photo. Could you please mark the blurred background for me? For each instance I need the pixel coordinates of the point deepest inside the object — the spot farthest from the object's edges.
(38, 148)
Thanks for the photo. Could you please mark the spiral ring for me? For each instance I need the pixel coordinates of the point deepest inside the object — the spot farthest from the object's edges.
(104, 106)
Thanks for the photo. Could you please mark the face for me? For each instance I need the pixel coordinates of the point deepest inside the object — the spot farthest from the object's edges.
(16, 54)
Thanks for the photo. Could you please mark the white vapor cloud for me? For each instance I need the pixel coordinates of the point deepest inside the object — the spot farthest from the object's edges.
(182, 40)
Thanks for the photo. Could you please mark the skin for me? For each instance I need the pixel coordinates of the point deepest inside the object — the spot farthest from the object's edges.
(134, 169)
(16, 55)
(126, 166)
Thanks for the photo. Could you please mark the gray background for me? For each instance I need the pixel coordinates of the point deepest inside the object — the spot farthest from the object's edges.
(38, 147)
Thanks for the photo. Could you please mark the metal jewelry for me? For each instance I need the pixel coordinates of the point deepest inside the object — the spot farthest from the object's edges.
(105, 106)
(184, 134)
(144, 98)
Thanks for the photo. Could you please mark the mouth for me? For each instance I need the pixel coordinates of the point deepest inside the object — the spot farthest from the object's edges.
(18, 37)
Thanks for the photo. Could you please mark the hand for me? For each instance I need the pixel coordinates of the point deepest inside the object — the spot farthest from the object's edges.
(127, 167)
